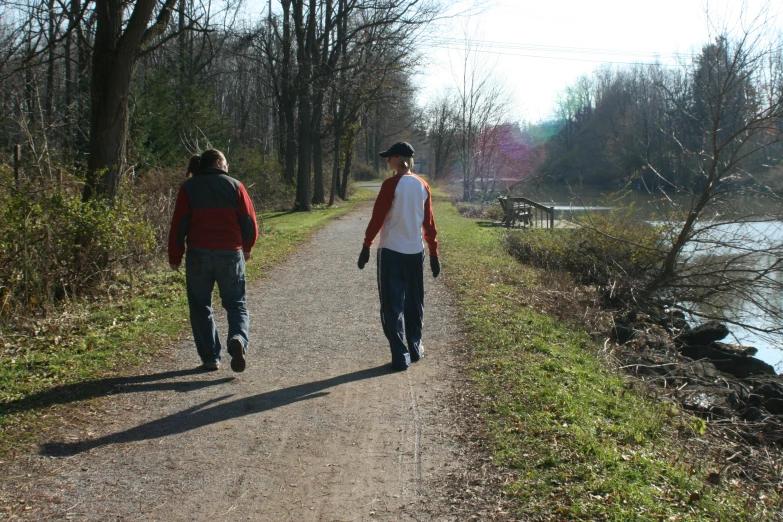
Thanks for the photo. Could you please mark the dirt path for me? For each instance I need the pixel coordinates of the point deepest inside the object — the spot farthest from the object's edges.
(316, 429)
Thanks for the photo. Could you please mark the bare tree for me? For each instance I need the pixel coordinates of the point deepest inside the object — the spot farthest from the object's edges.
(442, 125)
(483, 104)
(728, 243)
(705, 140)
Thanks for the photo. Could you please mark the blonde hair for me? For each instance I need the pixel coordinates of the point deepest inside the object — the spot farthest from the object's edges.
(407, 162)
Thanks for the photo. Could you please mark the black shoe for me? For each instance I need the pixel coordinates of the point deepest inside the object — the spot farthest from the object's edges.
(211, 366)
(236, 349)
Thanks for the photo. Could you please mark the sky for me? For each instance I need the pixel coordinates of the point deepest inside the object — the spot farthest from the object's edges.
(538, 47)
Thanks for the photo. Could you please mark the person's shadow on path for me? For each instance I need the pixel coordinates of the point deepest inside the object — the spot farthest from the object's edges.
(113, 385)
(210, 412)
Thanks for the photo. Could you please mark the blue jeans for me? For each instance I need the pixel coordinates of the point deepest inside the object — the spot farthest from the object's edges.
(401, 291)
(204, 268)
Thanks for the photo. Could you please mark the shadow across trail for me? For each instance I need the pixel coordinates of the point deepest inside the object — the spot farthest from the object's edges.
(81, 391)
(211, 412)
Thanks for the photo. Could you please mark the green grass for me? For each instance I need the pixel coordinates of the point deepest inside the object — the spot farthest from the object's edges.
(49, 366)
(578, 443)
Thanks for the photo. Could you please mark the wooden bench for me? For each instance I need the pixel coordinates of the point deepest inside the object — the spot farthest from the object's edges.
(515, 213)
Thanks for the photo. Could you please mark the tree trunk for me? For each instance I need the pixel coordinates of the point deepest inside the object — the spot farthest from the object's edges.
(115, 55)
(318, 160)
(113, 68)
(304, 156)
(80, 111)
(52, 35)
(67, 85)
(377, 137)
(318, 168)
(347, 167)
(288, 98)
(30, 88)
(305, 37)
(369, 142)
(672, 256)
(183, 65)
(336, 164)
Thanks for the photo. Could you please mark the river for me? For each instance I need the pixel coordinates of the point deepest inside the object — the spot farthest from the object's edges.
(744, 236)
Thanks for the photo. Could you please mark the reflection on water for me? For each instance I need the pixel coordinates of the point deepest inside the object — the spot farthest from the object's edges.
(760, 228)
(748, 312)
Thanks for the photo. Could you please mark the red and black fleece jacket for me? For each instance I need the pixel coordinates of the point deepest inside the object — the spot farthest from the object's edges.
(214, 212)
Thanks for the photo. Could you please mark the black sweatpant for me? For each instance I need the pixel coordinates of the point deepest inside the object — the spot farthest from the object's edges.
(401, 290)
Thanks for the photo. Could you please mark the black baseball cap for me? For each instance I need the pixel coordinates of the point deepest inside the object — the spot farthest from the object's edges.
(400, 148)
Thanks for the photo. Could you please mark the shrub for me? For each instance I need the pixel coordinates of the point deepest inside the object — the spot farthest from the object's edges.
(52, 245)
(263, 178)
(363, 172)
(155, 192)
(494, 213)
(609, 250)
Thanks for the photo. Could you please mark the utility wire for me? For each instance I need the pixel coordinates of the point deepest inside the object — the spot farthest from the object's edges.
(549, 57)
(492, 44)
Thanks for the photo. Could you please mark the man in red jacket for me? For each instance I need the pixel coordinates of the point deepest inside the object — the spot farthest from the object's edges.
(214, 217)
(403, 216)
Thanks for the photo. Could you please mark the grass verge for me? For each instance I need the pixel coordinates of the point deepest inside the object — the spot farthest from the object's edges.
(50, 365)
(577, 441)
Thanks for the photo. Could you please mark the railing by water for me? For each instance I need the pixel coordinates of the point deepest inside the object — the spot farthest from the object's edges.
(525, 213)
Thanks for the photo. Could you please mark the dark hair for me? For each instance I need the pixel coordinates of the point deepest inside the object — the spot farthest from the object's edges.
(209, 157)
(193, 165)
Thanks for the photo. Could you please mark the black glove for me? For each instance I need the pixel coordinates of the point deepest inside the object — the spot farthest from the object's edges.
(363, 257)
(435, 266)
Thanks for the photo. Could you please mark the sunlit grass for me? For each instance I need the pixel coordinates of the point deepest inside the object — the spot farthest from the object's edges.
(579, 442)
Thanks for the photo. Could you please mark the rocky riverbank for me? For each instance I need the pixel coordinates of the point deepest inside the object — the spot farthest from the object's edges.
(720, 382)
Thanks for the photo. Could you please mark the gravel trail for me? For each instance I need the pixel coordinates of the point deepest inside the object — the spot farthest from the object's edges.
(316, 429)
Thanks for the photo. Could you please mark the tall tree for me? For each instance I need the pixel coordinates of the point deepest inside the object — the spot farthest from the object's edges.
(483, 104)
(119, 44)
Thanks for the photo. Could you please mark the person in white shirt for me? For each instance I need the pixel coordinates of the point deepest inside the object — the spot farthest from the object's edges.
(403, 216)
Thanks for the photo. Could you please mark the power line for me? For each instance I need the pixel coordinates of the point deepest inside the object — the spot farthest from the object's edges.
(492, 44)
(549, 57)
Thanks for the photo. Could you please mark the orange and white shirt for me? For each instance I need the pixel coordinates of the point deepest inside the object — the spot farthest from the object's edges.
(403, 216)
